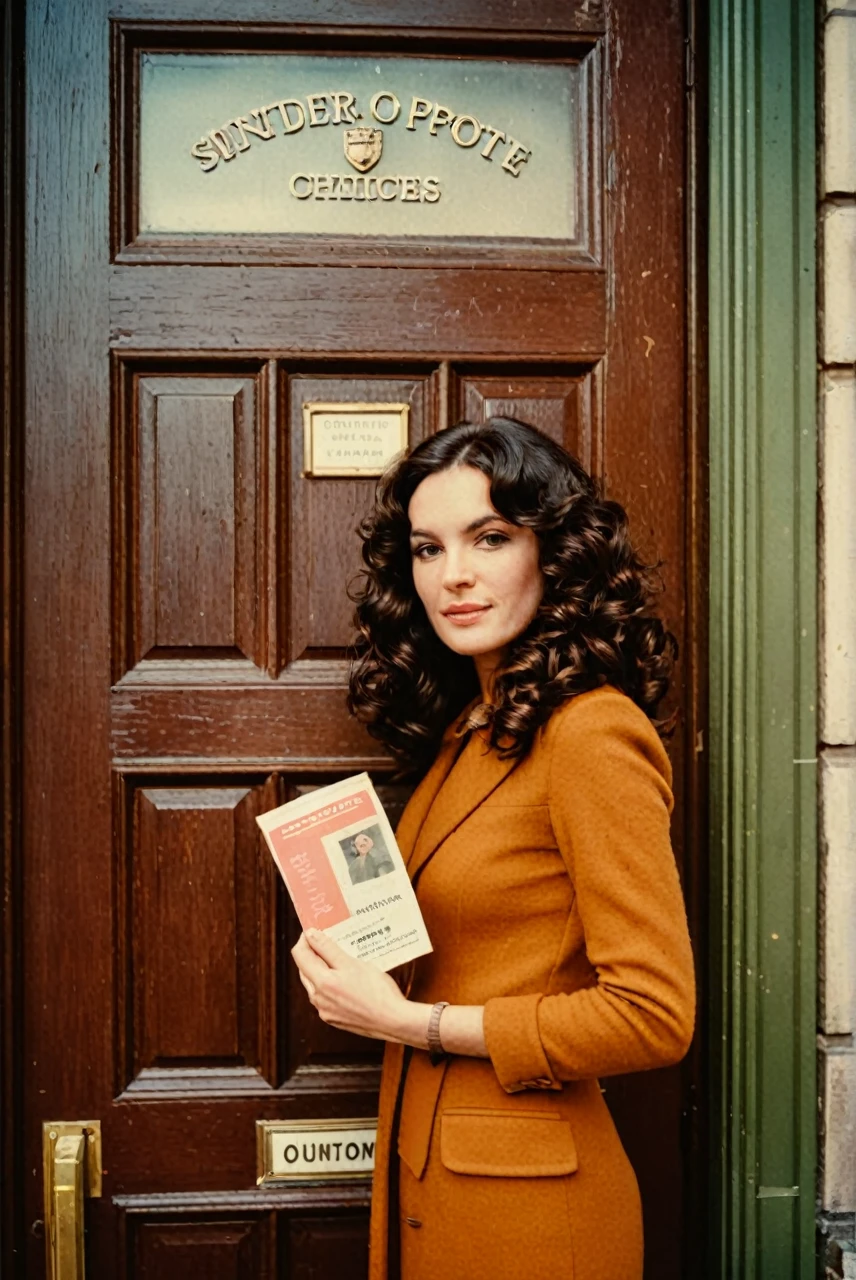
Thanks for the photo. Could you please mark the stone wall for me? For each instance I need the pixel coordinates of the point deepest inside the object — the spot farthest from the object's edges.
(837, 422)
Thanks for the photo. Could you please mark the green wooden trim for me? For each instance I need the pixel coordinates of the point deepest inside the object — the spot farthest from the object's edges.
(763, 478)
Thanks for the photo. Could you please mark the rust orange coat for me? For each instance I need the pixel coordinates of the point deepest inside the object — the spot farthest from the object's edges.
(551, 895)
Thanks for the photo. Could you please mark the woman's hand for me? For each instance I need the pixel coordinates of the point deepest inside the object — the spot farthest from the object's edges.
(354, 995)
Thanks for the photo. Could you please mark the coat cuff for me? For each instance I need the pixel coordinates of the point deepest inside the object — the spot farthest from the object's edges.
(514, 1044)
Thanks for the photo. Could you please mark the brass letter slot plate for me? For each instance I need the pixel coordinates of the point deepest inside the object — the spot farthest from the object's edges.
(314, 1150)
(352, 439)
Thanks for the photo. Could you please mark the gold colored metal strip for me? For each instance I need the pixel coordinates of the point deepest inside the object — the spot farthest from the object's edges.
(72, 1171)
(67, 1215)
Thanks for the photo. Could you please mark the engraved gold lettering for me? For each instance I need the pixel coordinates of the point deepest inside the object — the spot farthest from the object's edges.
(346, 192)
(442, 115)
(370, 184)
(262, 128)
(317, 103)
(206, 154)
(283, 107)
(323, 184)
(457, 125)
(292, 186)
(517, 155)
(385, 96)
(496, 135)
(343, 107)
(243, 140)
(224, 143)
(381, 186)
(431, 191)
(409, 189)
(419, 109)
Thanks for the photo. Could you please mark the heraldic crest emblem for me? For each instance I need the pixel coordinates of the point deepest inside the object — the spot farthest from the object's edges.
(363, 148)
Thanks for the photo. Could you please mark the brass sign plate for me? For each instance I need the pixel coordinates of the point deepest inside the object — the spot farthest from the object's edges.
(309, 144)
(314, 1150)
(352, 439)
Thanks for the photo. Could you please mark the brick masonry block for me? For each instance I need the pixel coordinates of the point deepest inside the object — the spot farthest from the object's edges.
(838, 557)
(838, 318)
(839, 105)
(838, 890)
(838, 1162)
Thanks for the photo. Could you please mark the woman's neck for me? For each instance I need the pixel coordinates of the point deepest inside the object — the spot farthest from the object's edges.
(486, 665)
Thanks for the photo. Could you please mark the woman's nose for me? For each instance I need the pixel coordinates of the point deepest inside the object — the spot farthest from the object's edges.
(457, 571)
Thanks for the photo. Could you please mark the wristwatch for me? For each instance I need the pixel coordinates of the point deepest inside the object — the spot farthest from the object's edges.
(436, 1052)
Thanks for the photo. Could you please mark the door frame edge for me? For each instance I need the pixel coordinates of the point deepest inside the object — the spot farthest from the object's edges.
(12, 141)
(763, 637)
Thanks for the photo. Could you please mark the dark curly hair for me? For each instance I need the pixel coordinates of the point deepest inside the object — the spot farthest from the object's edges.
(595, 623)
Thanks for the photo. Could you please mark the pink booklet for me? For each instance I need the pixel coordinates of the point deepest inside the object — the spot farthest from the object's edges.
(337, 854)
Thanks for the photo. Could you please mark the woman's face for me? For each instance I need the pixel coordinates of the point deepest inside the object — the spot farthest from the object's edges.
(477, 575)
(362, 843)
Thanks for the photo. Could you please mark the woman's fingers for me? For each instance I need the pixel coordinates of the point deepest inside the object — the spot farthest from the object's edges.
(308, 962)
(326, 948)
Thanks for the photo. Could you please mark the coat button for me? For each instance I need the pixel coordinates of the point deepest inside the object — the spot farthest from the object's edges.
(413, 1222)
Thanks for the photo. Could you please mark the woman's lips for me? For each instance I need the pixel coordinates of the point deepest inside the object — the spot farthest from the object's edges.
(465, 615)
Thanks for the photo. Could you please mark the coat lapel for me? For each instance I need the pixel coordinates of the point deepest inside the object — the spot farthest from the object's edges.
(480, 774)
(420, 802)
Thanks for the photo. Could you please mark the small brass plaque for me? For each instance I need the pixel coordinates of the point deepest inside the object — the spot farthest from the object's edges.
(314, 1150)
(353, 439)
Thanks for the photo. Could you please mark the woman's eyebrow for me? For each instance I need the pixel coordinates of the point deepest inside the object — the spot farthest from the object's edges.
(478, 523)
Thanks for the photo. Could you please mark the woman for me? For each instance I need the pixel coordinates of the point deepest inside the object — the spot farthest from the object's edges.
(507, 644)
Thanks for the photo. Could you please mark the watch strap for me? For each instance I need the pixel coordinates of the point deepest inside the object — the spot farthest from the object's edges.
(436, 1052)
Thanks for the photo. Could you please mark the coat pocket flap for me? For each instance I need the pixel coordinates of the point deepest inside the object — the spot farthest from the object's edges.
(506, 1144)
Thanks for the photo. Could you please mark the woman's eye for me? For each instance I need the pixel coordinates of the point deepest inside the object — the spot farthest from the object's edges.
(427, 551)
(494, 539)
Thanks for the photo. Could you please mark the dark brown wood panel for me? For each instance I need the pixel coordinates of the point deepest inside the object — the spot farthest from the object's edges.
(353, 17)
(326, 1246)
(192, 489)
(197, 891)
(429, 312)
(213, 1247)
(566, 409)
(272, 725)
(322, 554)
(182, 678)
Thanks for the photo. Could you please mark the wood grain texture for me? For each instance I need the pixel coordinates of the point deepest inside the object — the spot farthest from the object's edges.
(197, 515)
(273, 725)
(225, 687)
(66, 922)
(199, 890)
(356, 16)
(566, 409)
(321, 554)
(538, 314)
(12, 146)
(326, 1246)
(217, 1246)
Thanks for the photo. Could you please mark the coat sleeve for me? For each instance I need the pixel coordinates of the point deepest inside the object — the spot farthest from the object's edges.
(610, 802)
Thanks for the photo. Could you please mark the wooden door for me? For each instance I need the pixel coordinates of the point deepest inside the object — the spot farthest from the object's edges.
(184, 612)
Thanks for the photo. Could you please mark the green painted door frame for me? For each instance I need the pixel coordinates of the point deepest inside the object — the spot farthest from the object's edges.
(763, 669)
